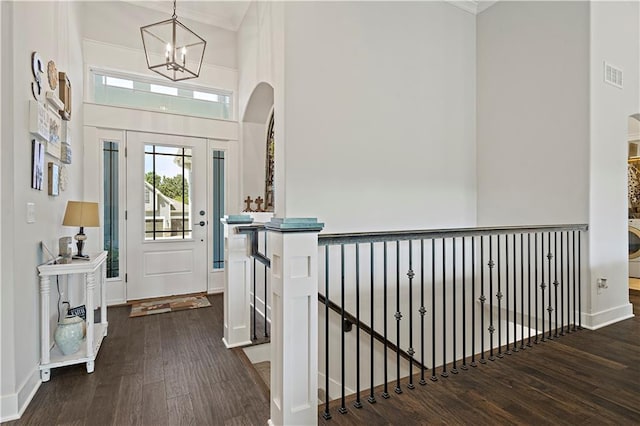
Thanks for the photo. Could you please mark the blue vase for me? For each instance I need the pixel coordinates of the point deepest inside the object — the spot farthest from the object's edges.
(68, 335)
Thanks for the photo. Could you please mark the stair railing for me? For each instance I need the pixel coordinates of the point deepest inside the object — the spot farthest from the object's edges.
(458, 298)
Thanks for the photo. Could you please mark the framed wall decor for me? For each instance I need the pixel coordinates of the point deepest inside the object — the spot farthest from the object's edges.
(65, 95)
(53, 175)
(37, 164)
(55, 126)
(65, 154)
(39, 119)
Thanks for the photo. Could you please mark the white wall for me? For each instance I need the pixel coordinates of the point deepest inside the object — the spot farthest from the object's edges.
(21, 248)
(119, 23)
(380, 119)
(533, 113)
(260, 63)
(8, 400)
(615, 38)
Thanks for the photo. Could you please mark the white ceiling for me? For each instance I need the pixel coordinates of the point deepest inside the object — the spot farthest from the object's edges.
(227, 14)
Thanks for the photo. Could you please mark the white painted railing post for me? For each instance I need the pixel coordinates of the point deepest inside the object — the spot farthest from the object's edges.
(237, 282)
(294, 320)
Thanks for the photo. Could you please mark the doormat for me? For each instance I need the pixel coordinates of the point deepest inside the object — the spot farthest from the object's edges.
(170, 304)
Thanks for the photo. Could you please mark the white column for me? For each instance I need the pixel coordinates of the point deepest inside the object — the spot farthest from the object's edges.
(237, 282)
(294, 321)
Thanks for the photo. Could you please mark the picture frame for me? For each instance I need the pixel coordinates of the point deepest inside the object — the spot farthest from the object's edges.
(55, 127)
(65, 154)
(53, 175)
(37, 164)
(39, 119)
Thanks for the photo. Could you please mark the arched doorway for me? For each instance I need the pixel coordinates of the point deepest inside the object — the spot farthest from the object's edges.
(258, 146)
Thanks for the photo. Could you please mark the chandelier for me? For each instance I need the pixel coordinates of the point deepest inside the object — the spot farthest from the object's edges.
(173, 50)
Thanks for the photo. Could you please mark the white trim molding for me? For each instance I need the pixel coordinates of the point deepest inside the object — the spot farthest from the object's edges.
(607, 317)
(12, 406)
(473, 6)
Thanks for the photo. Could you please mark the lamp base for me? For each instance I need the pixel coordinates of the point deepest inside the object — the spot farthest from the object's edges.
(81, 257)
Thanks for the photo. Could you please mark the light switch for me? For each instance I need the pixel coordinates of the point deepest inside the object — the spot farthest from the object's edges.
(31, 213)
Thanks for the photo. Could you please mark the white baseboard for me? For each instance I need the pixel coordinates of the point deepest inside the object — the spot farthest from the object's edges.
(335, 388)
(607, 317)
(12, 406)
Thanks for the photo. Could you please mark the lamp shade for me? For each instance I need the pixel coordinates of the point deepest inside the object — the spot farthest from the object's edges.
(81, 213)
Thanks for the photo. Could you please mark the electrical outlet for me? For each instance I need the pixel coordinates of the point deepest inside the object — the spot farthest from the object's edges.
(602, 284)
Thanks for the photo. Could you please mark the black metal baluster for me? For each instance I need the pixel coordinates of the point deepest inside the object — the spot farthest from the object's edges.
(357, 403)
(398, 317)
(385, 392)
(535, 284)
(568, 284)
(473, 302)
(499, 294)
(482, 300)
(573, 255)
(410, 351)
(326, 415)
(464, 305)
(506, 286)
(372, 397)
(433, 311)
(561, 284)
(423, 311)
(550, 308)
(444, 310)
(255, 336)
(522, 346)
(343, 408)
(266, 333)
(454, 368)
(555, 284)
(529, 285)
(515, 302)
(492, 329)
(579, 280)
(542, 287)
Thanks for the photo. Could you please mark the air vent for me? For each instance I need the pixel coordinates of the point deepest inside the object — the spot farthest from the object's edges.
(612, 75)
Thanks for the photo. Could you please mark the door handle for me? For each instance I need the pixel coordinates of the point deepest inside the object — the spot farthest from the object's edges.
(202, 223)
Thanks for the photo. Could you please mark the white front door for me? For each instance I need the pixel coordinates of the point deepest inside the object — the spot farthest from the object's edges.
(166, 217)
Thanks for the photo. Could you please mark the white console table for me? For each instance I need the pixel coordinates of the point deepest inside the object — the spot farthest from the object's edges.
(52, 358)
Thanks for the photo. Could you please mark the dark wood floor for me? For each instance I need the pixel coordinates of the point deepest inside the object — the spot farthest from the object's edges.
(173, 369)
(587, 378)
(166, 369)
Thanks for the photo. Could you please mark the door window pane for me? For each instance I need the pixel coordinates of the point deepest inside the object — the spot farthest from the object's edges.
(111, 205)
(167, 191)
(218, 209)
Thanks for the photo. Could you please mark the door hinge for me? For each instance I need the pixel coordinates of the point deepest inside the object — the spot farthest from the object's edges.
(125, 214)
(125, 152)
(126, 278)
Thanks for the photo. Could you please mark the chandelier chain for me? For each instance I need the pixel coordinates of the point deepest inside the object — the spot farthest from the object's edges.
(174, 9)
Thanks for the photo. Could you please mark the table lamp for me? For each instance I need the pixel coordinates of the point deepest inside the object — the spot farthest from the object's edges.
(82, 214)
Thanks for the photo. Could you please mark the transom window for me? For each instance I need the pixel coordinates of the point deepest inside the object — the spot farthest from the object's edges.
(119, 89)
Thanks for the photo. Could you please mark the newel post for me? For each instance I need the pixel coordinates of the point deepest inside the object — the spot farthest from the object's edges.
(237, 282)
(294, 320)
